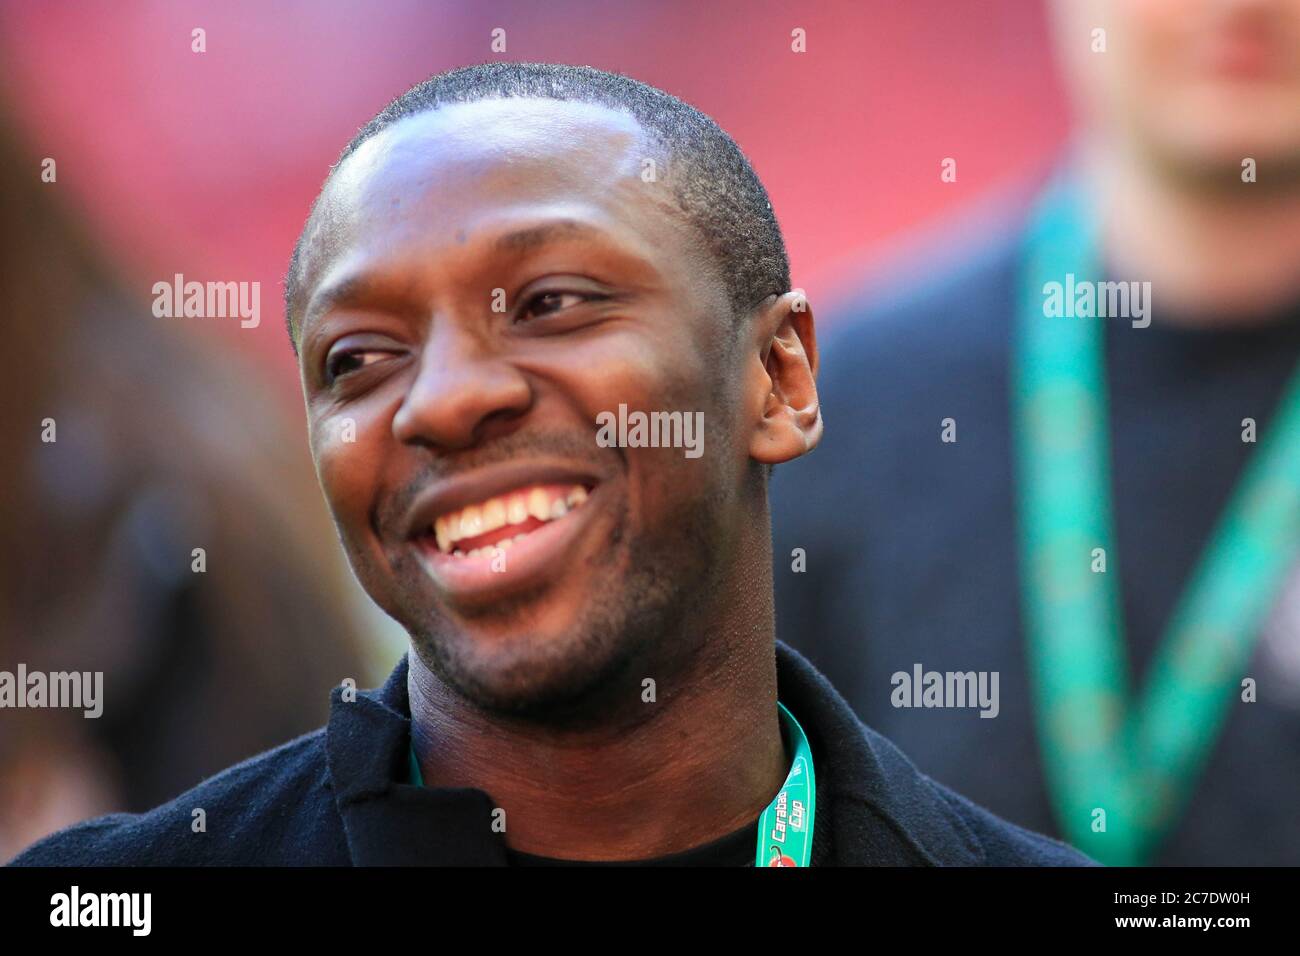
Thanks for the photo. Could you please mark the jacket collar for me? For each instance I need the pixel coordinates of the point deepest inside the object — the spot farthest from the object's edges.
(880, 810)
(388, 821)
(873, 806)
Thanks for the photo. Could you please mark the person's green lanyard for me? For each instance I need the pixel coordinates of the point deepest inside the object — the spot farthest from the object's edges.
(1135, 757)
(785, 828)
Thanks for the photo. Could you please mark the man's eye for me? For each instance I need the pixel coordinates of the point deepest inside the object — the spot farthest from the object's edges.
(545, 303)
(341, 363)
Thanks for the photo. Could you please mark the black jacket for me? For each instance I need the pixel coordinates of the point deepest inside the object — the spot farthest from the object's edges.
(340, 796)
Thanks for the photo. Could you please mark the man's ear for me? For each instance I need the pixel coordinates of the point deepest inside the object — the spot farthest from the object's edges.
(781, 383)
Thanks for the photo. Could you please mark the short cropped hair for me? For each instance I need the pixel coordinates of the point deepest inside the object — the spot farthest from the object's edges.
(711, 180)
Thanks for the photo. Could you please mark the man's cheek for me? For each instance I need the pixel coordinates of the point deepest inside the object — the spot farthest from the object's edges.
(663, 482)
(345, 466)
(349, 470)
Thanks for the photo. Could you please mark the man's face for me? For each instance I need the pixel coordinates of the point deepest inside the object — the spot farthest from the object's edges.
(1201, 84)
(480, 283)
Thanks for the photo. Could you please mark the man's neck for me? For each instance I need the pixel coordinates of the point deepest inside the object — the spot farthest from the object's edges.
(697, 765)
(1215, 255)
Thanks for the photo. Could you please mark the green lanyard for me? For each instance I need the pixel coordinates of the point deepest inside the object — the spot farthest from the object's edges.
(1135, 759)
(785, 830)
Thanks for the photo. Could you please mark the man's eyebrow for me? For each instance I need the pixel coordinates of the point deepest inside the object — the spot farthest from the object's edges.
(526, 240)
(371, 291)
(353, 291)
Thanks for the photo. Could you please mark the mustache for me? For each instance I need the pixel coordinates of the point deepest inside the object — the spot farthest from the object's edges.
(568, 445)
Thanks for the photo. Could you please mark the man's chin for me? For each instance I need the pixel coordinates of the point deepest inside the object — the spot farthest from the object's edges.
(571, 649)
(558, 677)
(1212, 150)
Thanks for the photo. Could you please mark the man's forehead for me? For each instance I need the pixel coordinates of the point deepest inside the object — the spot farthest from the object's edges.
(445, 165)
(487, 133)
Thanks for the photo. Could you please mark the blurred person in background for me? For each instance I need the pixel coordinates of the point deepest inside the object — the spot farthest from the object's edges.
(162, 445)
(1105, 511)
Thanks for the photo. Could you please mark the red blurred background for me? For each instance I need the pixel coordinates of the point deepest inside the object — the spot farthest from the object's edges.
(206, 164)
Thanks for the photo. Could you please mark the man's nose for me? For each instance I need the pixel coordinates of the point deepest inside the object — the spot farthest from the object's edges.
(461, 388)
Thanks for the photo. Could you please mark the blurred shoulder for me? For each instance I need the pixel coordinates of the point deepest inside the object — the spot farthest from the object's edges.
(268, 810)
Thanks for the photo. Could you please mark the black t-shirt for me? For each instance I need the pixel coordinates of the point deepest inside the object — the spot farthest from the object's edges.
(735, 849)
(1178, 394)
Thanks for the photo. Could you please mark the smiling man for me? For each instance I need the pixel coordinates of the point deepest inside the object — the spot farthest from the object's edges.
(504, 257)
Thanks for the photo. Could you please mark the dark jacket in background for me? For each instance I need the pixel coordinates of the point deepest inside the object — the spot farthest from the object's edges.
(341, 797)
(911, 543)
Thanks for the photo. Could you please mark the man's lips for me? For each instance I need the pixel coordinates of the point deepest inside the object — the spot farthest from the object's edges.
(1247, 51)
(501, 520)
(500, 529)
(445, 498)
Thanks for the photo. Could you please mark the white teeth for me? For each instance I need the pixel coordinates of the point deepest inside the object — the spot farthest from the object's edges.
(538, 506)
(489, 550)
(494, 514)
(542, 503)
(471, 522)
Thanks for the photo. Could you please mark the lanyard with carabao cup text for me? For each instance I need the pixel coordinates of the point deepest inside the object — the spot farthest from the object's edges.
(1120, 767)
(785, 829)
